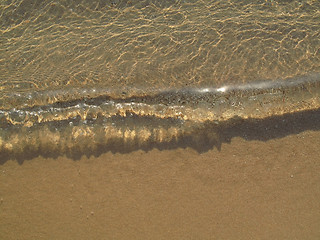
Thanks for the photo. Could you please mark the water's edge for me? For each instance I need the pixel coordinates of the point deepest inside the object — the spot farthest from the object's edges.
(126, 123)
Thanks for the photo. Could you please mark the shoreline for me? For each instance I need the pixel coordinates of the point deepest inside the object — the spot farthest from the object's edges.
(247, 189)
(134, 133)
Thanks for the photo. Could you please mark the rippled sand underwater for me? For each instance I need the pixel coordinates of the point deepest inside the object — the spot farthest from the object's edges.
(79, 77)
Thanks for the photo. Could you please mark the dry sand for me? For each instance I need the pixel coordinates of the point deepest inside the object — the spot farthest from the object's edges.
(246, 190)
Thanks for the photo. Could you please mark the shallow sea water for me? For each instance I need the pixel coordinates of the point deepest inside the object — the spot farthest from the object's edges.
(159, 119)
(149, 71)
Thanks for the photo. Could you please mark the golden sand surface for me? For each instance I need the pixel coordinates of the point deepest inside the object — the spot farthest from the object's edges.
(159, 119)
(249, 189)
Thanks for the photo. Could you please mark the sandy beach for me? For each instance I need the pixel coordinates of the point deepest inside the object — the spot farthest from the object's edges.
(160, 119)
(246, 190)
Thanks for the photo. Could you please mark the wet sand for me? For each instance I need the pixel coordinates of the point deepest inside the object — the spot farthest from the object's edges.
(246, 190)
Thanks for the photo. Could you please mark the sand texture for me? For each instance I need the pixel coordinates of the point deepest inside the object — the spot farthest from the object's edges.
(153, 119)
(247, 190)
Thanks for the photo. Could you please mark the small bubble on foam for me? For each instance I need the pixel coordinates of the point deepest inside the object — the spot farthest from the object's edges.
(204, 90)
(222, 89)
